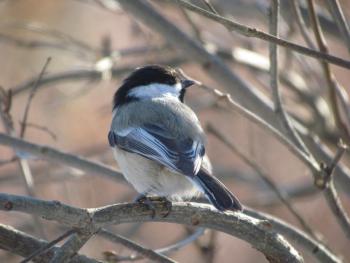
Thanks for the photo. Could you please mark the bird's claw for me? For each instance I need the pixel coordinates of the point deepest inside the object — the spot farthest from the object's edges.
(150, 202)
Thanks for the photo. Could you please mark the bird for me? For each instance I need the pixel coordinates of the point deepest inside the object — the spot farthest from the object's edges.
(158, 141)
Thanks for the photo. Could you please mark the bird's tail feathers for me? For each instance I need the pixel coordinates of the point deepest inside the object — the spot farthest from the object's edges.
(217, 192)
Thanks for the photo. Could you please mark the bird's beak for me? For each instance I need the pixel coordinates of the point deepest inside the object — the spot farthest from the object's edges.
(187, 83)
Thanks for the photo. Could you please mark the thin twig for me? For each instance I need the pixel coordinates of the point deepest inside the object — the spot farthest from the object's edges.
(331, 192)
(331, 81)
(340, 20)
(41, 128)
(173, 247)
(44, 30)
(184, 242)
(194, 27)
(147, 253)
(210, 6)
(253, 32)
(48, 246)
(274, 79)
(337, 208)
(30, 98)
(301, 24)
(280, 195)
(70, 248)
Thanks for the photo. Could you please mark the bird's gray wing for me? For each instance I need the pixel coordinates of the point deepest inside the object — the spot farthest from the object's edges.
(157, 144)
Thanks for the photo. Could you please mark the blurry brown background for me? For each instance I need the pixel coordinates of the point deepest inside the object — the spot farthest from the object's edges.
(79, 114)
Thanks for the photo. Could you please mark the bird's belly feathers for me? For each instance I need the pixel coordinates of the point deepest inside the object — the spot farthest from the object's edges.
(151, 178)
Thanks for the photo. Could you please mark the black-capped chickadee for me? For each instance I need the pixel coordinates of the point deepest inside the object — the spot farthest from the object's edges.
(158, 141)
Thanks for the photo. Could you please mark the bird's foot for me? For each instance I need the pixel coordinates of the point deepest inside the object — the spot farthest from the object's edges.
(151, 201)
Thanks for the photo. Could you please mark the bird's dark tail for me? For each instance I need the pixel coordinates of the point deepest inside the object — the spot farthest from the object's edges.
(217, 192)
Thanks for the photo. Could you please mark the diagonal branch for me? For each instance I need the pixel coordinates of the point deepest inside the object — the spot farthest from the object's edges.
(10, 238)
(48, 246)
(147, 253)
(52, 154)
(71, 247)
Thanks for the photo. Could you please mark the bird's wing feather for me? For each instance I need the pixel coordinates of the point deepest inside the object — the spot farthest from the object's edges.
(155, 143)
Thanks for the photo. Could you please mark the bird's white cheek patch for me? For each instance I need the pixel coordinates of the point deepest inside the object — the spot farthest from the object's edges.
(156, 90)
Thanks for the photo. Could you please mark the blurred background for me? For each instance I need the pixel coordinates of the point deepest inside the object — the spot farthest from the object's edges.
(73, 112)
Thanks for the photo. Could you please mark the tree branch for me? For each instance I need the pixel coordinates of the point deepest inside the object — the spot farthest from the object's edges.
(274, 246)
(22, 244)
(51, 154)
(316, 249)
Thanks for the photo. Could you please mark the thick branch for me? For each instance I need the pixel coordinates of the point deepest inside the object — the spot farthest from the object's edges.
(322, 253)
(254, 231)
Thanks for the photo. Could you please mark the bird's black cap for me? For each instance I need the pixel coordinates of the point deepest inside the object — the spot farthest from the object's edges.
(144, 76)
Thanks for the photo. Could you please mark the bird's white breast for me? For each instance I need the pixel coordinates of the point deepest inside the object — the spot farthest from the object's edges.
(150, 178)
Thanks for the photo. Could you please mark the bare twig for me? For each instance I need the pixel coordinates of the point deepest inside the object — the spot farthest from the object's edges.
(30, 98)
(41, 44)
(48, 246)
(274, 79)
(210, 6)
(168, 249)
(41, 128)
(196, 31)
(337, 208)
(42, 29)
(301, 24)
(147, 253)
(280, 195)
(184, 242)
(331, 193)
(69, 249)
(340, 20)
(331, 81)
